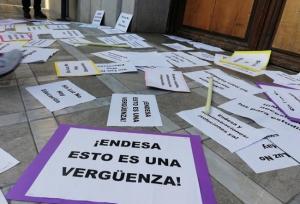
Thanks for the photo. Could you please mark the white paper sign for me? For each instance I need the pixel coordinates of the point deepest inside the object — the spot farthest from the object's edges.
(76, 42)
(42, 43)
(265, 156)
(138, 44)
(133, 110)
(59, 95)
(203, 55)
(112, 55)
(97, 166)
(98, 17)
(145, 68)
(177, 38)
(223, 128)
(266, 114)
(66, 34)
(131, 37)
(111, 31)
(11, 36)
(177, 46)
(205, 47)
(115, 68)
(218, 61)
(37, 29)
(9, 46)
(284, 79)
(2, 28)
(224, 84)
(112, 40)
(31, 55)
(287, 100)
(168, 80)
(58, 27)
(2, 198)
(123, 22)
(147, 59)
(76, 68)
(6, 161)
(181, 59)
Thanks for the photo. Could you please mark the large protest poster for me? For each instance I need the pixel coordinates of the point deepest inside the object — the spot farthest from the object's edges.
(112, 166)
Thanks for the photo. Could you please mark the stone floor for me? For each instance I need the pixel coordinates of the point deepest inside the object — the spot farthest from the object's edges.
(26, 126)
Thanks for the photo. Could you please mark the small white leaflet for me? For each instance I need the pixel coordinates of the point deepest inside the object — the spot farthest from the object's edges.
(131, 37)
(59, 95)
(145, 68)
(182, 60)
(284, 79)
(203, 55)
(35, 30)
(264, 156)
(112, 40)
(267, 115)
(2, 28)
(147, 59)
(58, 27)
(42, 43)
(2, 198)
(138, 44)
(115, 68)
(76, 68)
(167, 80)
(226, 130)
(112, 55)
(203, 46)
(134, 110)
(6, 161)
(177, 46)
(12, 36)
(123, 22)
(98, 17)
(111, 31)
(76, 42)
(31, 55)
(177, 38)
(66, 34)
(224, 84)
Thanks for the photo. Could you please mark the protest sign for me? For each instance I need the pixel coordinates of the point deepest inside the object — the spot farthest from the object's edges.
(42, 43)
(266, 114)
(66, 34)
(177, 38)
(177, 46)
(138, 44)
(223, 128)
(203, 55)
(98, 17)
(133, 110)
(147, 59)
(59, 95)
(6, 161)
(11, 36)
(37, 29)
(76, 68)
(76, 42)
(286, 99)
(284, 79)
(181, 59)
(264, 156)
(204, 46)
(58, 27)
(112, 40)
(224, 84)
(114, 68)
(164, 79)
(31, 55)
(131, 37)
(123, 22)
(112, 55)
(110, 166)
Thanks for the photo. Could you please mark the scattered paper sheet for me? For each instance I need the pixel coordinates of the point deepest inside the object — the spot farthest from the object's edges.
(6, 161)
(11, 36)
(250, 60)
(115, 68)
(2, 28)
(76, 68)
(131, 37)
(37, 29)
(181, 59)
(66, 34)
(111, 31)
(147, 59)
(2, 198)
(264, 156)
(203, 46)
(203, 55)
(145, 68)
(112, 40)
(177, 46)
(85, 25)
(286, 99)
(226, 130)
(168, 80)
(138, 44)
(177, 38)
(76, 42)
(31, 55)
(218, 61)
(266, 114)
(11, 21)
(59, 95)
(10, 27)
(112, 55)
(284, 79)
(42, 43)
(224, 84)
(48, 22)
(122, 164)
(9, 46)
(133, 110)
(123, 22)
(58, 27)
(98, 17)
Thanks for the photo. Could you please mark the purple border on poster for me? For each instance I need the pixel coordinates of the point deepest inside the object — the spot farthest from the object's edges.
(18, 192)
(280, 86)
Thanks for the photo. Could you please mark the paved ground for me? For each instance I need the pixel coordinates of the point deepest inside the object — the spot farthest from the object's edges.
(25, 125)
